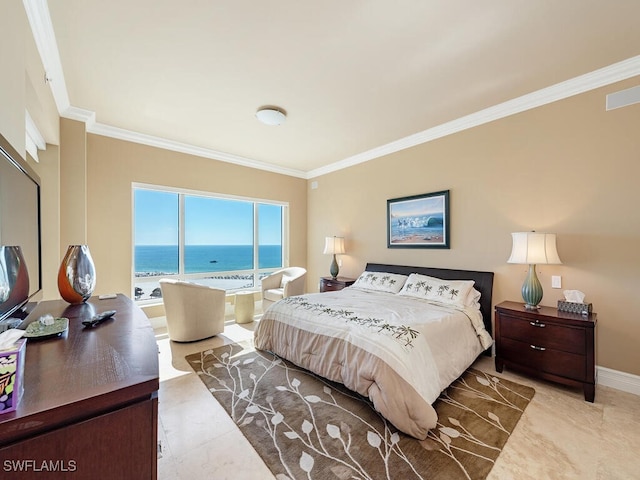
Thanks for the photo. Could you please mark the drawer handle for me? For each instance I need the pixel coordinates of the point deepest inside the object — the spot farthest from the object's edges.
(540, 349)
(536, 324)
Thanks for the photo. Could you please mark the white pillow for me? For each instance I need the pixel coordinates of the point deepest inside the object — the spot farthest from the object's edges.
(447, 292)
(473, 299)
(380, 281)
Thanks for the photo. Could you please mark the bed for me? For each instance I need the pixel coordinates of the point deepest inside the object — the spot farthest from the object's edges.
(399, 336)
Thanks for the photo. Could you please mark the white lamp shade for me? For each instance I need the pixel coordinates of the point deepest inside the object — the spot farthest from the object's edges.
(334, 245)
(533, 248)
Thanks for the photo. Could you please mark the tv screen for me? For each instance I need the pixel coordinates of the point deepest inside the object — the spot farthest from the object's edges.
(19, 226)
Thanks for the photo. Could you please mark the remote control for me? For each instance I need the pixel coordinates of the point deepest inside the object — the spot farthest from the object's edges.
(98, 317)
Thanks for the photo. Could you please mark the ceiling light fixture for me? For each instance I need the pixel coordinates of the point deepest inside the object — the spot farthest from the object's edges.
(271, 115)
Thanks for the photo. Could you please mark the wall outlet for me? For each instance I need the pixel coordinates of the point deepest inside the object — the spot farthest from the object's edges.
(556, 281)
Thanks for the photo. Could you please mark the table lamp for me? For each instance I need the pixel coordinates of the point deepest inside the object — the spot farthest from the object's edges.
(533, 248)
(334, 246)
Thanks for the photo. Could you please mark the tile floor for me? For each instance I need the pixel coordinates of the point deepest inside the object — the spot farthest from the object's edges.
(560, 436)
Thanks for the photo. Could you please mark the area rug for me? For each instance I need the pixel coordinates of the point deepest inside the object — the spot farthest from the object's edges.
(305, 427)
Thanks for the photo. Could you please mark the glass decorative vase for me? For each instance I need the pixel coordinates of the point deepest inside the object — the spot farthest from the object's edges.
(14, 277)
(5, 288)
(77, 275)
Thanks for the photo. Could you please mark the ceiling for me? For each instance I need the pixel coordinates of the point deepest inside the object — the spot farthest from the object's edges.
(357, 78)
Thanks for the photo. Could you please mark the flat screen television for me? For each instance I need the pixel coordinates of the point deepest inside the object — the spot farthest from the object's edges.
(20, 224)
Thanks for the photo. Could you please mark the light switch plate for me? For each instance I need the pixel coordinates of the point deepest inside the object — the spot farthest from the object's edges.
(556, 281)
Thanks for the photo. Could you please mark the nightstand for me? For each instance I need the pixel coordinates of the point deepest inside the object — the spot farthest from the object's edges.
(330, 284)
(547, 343)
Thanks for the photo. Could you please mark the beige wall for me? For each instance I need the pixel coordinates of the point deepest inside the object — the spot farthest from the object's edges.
(49, 170)
(73, 184)
(14, 29)
(22, 87)
(112, 167)
(39, 99)
(569, 168)
(22, 83)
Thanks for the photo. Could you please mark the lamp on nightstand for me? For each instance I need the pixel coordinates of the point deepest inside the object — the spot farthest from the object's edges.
(533, 248)
(334, 246)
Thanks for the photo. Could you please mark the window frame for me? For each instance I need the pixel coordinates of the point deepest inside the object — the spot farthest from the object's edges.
(256, 272)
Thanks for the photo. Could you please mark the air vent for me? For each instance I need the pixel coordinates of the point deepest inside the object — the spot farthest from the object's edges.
(623, 98)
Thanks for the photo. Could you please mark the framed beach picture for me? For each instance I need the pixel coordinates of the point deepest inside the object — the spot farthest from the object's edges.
(419, 221)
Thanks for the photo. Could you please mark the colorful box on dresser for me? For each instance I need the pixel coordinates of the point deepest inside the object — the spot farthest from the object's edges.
(11, 376)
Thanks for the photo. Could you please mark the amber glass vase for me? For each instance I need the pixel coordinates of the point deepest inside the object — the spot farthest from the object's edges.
(77, 275)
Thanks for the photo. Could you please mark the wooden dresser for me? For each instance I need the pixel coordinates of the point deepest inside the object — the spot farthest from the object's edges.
(90, 406)
(547, 343)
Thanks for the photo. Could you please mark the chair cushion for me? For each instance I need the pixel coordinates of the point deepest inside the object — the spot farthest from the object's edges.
(273, 294)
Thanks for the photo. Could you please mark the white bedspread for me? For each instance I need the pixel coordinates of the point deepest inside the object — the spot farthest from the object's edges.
(352, 335)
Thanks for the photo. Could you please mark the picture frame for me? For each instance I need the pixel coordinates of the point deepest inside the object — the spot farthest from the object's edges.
(419, 221)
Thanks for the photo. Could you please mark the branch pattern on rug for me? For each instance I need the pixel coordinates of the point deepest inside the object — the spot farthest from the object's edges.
(306, 427)
(402, 333)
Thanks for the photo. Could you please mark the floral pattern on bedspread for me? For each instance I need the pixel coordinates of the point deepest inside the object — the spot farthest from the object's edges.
(401, 333)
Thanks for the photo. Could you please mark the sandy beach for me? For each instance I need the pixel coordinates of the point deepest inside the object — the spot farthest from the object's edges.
(428, 239)
(151, 288)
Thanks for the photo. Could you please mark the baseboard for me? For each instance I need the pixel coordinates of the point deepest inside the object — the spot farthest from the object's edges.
(626, 382)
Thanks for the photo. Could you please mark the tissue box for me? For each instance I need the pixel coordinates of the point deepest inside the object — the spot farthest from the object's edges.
(573, 307)
(11, 376)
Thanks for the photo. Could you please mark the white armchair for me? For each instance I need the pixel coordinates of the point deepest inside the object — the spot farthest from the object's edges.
(282, 284)
(193, 311)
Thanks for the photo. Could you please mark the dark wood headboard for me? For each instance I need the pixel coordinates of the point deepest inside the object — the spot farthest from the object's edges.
(483, 282)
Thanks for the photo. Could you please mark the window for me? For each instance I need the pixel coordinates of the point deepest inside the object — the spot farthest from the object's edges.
(225, 242)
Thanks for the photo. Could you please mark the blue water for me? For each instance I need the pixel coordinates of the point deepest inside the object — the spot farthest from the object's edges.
(157, 259)
(417, 226)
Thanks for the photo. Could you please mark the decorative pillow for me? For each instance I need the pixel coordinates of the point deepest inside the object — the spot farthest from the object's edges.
(447, 292)
(380, 281)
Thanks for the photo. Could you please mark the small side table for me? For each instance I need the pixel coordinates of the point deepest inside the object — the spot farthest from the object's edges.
(547, 343)
(244, 307)
(330, 284)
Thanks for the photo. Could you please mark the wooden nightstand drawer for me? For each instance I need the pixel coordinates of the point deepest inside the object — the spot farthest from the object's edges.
(544, 334)
(330, 284)
(555, 362)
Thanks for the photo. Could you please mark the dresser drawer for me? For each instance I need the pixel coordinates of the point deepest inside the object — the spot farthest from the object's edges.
(544, 334)
(555, 362)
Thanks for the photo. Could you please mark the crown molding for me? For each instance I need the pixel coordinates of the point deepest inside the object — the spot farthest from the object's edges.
(45, 38)
(34, 140)
(599, 78)
(43, 33)
(150, 140)
(81, 115)
(89, 118)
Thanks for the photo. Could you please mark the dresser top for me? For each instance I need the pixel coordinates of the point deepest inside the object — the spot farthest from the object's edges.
(84, 371)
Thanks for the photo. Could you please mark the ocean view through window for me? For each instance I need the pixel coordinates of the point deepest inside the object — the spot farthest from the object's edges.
(221, 241)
